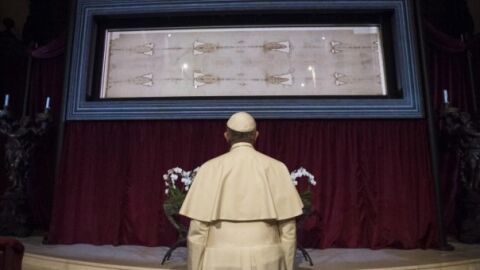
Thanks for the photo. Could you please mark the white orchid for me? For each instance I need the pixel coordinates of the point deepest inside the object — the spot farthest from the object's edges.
(187, 177)
(176, 173)
(186, 180)
(301, 172)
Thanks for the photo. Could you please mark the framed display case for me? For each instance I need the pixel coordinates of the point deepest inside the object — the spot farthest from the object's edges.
(275, 59)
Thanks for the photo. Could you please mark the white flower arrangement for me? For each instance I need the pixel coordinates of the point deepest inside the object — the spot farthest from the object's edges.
(301, 172)
(172, 175)
(187, 177)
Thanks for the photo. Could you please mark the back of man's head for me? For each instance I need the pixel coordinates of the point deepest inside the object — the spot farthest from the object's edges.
(241, 127)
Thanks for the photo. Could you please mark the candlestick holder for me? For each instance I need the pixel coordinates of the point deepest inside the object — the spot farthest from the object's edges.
(461, 134)
(21, 137)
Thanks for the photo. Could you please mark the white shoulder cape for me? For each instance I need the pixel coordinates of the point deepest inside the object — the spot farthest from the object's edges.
(242, 185)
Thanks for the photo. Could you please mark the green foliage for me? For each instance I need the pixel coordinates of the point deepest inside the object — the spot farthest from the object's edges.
(306, 197)
(174, 201)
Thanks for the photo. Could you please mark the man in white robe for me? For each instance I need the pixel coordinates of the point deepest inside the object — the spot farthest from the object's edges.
(242, 206)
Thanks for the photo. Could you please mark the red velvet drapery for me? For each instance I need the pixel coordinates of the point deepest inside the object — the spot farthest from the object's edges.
(449, 69)
(374, 185)
(47, 66)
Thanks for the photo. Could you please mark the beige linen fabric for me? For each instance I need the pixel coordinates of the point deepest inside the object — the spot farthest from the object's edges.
(242, 206)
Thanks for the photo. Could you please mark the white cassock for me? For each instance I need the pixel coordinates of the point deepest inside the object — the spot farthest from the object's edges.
(243, 207)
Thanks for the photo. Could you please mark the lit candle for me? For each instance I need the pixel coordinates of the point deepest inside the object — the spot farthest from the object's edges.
(445, 96)
(47, 104)
(6, 100)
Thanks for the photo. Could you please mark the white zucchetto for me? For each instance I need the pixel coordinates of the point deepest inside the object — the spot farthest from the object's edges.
(241, 122)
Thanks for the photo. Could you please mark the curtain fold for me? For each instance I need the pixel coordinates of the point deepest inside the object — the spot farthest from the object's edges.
(374, 185)
(448, 67)
(46, 80)
(52, 49)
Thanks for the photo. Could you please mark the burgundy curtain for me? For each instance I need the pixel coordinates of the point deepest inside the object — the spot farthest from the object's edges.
(474, 48)
(374, 185)
(448, 67)
(47, 75)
